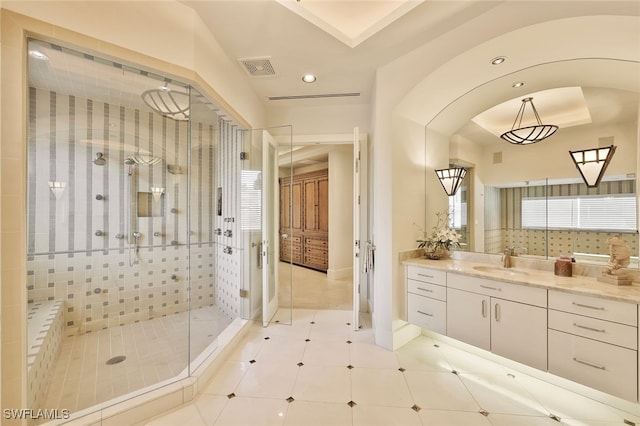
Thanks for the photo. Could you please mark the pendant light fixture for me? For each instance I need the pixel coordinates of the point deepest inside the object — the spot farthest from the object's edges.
(168, 102)
(530, 134)
(591, 163)
(451, 179)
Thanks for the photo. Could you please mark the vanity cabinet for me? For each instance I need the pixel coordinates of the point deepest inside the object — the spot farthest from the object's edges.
(509, 320)
(427, 298)
(594, 341)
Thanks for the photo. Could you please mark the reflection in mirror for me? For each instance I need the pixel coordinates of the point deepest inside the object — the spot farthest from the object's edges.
(150, 204)
(550, 218)
(459, 212)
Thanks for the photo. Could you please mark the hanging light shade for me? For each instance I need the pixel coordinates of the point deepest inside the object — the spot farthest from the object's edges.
(531, 134)
(591, 163)
(170, 103)
(451, 179)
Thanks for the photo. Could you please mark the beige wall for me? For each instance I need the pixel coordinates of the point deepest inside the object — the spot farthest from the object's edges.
(340, 212)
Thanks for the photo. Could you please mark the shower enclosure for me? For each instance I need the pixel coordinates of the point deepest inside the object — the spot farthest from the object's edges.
(140, 236)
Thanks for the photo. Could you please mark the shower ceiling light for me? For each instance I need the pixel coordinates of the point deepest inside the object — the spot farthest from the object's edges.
(38, 55)
(529, 134)
(309, 78)
(451, 179)
(143, 159)
(168, 102)
(591, 163)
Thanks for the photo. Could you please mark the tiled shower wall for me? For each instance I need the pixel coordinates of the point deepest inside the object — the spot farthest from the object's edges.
(504, 229)
(92, 273)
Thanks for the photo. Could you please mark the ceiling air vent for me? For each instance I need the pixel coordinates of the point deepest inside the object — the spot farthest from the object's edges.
(325, 95)
(258, 67)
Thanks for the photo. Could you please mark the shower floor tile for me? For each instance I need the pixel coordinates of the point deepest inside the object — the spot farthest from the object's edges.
(155, 350)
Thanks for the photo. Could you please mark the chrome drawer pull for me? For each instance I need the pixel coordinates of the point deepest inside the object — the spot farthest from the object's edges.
(484, 309)
(490, 288)
(424, 313)
(599, 367)
(425, 289)
(425, 275)
(589, 328)
(600, 308)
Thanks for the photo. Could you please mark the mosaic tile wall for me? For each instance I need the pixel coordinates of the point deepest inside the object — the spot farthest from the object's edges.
(504, 229)
(92, 273)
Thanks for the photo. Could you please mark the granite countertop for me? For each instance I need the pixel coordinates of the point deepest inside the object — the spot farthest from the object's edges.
(577, 284)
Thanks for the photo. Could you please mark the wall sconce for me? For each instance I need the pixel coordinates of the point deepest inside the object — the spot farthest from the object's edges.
(157, 193)
(451, 179)
(591, 163)
(57, 188)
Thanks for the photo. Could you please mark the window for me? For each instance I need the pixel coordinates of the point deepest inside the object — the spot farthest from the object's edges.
(586, 213)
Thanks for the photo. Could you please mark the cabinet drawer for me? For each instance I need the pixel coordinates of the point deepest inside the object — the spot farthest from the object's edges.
(316, 242)
(313, 251)
(293, 239)
(315, 262)
(427, 313)
(291, 247)
(427, 275)
(593, 328)
(429, 290)
(517, 293)
(596, 307)
(605, 367)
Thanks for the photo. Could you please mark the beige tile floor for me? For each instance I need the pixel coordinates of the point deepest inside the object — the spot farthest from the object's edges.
(155, 350)
(312, 289)
(318, 371)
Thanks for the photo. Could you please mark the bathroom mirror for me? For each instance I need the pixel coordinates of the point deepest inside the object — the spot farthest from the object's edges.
(150, 204)
(519, 190)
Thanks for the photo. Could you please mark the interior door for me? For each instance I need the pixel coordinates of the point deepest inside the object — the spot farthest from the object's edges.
(356, 229)
(270, 240)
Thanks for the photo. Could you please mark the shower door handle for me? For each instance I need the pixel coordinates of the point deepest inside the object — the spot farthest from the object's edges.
(259, 246)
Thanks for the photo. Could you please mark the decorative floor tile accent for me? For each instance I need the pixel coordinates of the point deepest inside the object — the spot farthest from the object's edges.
(351, 404)
(416, 408)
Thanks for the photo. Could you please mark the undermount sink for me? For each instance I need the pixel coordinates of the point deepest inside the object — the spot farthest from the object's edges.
(500, 270)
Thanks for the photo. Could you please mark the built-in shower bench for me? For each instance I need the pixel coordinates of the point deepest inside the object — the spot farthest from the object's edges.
(45, 323)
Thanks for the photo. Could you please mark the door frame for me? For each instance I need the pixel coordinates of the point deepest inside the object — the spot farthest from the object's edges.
(362, 304)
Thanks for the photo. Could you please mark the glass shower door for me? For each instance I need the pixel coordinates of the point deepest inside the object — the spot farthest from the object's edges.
(267, 284)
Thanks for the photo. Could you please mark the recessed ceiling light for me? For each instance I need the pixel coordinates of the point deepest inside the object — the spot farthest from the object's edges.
(498, 60)
(308, 78)
(38, 55)
(518, 84)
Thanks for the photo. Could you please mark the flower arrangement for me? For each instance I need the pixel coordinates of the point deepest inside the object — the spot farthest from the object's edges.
(442, 238)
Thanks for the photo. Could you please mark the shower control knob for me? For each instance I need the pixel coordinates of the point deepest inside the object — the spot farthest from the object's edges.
(119, 236)
(157, 234)
(99, 233)
(174, 243)
(174, 210)
(99, 197)
(228, 233)
(218, 231)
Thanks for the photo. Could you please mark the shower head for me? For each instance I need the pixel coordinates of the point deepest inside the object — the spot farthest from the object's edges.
(129, 161)
(100, 160)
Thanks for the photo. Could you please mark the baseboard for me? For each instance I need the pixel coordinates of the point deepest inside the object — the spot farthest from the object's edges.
(339, 274)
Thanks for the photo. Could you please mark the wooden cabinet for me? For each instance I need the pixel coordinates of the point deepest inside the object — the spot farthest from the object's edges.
(304, 220)
(594, 341)
(508, 319)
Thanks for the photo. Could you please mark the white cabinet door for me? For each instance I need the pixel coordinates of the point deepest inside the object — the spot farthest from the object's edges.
(468, 318)
(519, 332)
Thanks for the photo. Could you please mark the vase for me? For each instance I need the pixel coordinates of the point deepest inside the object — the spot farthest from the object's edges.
(437, 254)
